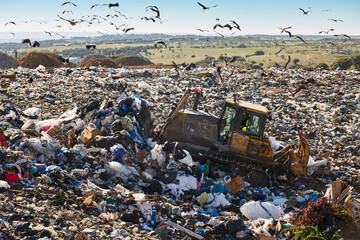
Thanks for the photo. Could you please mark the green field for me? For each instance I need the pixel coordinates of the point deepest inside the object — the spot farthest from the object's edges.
(310, 54)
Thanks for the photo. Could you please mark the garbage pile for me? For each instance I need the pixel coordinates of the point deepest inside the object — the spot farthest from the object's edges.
(7, 61)
(34, 59)
(132, 61)
(79, 159)
(103, 62)
(89, 57)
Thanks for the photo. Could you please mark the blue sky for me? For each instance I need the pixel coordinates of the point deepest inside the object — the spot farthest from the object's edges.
(181, 17)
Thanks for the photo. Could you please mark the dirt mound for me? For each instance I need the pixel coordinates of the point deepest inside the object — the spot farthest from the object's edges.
(103, 62)
(87, 58)
(34, 59)
(132, 61)
(7, 61)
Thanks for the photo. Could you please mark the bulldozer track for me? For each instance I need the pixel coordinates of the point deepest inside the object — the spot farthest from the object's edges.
(235, 161)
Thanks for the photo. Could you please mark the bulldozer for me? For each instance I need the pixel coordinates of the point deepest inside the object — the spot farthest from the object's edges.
(237, 137)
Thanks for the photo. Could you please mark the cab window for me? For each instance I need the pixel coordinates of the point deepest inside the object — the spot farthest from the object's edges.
(250, 123)
(226, 122)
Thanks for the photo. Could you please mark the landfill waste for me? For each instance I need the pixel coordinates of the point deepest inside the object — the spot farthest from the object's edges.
(34, 59)
(7, 61)
(80, 159)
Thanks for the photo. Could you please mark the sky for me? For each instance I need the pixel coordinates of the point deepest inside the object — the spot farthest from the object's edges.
(182, 17)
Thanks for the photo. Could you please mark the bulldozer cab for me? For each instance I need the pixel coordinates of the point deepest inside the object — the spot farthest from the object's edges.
(244, 118)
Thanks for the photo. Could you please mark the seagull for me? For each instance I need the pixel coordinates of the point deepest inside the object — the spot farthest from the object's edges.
(336, 20)
(159, 42)
(233, 59)
(295, 36)
(148, 19)
(235, 25)
(113, 5)
(90, 46)
(277, 42)
(202, 30)
(154, 9)
(288, 61)
(305, 12)
(94, 5)
(205, 8)
(62, 36)
(112, 16)
(279, 51)
(285, 29)
(327, 32)
(10, 23)
(34, 44)
(66, 11)
(342, 35)
(68, 3)
(13, 34)
(73, 22)
(222, 26)
(338, 44)
(48, 33)
(128, 29)
(117, 27)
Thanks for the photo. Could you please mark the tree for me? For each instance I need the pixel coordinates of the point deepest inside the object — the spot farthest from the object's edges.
(356, 62)
(343, 63)
(259, 53)
(322, 66)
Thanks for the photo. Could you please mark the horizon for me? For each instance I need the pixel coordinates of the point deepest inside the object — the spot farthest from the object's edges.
(252, 19)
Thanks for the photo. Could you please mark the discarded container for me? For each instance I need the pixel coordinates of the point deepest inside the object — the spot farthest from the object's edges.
(202, 198)
(254, 210)
(90, 132)
(236, 184)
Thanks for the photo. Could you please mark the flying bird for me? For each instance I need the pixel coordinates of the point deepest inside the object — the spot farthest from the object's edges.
(285, 29)
(279, 51)
(62, 36)
(295, 36)
(13, 34)
(34, 44)
(71, 3)
(66, 11)
(48, 33)
(112, 16)
(154, 9)
(205, 8)
(235, 25)
(305, 12)
(233, 59)
(148, 19)
(222, 26)
(336, 20)
(159, 42)
(95, 5)
(202, 30)
(113, 5)
(277, 42)
(72, 22)
(90, 46)
(10, 23)
(327, 32)
(342, 35)
(126, 30)
(288, 61)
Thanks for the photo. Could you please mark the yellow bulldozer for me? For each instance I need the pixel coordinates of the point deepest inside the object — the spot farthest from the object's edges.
(236, 137)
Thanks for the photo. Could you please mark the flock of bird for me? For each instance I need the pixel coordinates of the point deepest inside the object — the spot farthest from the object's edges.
(153, 15)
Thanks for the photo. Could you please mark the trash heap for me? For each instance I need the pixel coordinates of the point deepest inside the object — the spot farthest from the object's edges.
(7, 61)
(34, 59)
(79, 161)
